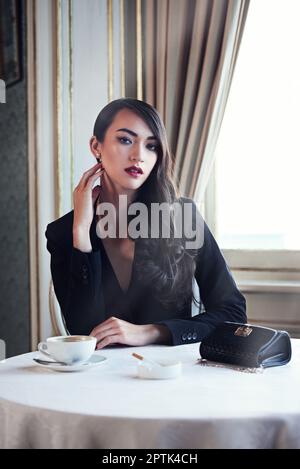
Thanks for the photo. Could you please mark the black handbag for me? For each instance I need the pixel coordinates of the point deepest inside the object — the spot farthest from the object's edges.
(246, 345)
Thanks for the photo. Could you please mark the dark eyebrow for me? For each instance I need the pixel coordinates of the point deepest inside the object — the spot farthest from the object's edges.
(131, 132)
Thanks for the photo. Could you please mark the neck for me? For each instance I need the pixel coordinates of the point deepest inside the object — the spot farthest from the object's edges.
(110, 192)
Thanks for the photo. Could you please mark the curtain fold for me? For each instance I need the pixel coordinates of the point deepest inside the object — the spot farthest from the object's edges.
(190, 51)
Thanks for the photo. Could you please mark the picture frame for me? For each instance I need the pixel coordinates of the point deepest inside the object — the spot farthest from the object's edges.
(10, 50)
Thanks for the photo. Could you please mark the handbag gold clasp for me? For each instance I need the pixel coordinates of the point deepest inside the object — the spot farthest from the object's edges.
(243, 331)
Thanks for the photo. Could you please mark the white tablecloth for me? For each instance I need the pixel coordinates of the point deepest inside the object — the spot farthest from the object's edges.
(110, 407)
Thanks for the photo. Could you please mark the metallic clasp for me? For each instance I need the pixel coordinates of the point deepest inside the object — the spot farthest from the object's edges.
(243, 331)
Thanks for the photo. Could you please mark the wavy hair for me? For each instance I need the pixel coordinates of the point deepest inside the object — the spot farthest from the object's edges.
(164, 263)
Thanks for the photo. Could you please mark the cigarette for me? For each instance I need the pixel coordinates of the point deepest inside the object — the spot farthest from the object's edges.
(145, 360)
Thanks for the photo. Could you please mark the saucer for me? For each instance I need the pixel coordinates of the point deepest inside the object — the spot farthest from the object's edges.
(94, 361)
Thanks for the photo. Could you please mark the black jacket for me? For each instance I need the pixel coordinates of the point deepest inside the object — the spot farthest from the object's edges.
(88, 291)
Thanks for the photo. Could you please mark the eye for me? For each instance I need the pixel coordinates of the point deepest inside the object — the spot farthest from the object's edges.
(127, 141)
(124, 140)
(152, 147)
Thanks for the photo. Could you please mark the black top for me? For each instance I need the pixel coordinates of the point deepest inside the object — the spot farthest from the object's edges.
(88, 290)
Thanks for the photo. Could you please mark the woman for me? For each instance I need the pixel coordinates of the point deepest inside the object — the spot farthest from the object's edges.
(135, 290)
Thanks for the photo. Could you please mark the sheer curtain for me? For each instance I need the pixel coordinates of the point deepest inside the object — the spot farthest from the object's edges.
(190, 51)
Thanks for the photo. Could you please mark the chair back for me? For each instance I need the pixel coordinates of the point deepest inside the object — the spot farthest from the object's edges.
(57, 318)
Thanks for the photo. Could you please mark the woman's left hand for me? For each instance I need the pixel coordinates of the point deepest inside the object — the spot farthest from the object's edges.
(117, 331)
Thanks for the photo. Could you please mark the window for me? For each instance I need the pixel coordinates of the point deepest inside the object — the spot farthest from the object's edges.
(257, 189)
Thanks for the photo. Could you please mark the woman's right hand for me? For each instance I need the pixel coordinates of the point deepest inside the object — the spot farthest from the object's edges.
(84, 197)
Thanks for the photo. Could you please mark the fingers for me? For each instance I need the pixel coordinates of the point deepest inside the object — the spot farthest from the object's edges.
(109, 332)
(113, 339)
(105, 325)
(89, 181)
(90, 172)
(93, 178)
(118, 331)
(95, 192)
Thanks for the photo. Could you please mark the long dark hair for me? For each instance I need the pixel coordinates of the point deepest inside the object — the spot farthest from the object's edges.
(164, 263)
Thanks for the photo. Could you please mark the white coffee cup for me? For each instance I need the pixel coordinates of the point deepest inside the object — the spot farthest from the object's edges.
(69, 349)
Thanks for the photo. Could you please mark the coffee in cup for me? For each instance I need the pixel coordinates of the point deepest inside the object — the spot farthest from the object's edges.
(69, 349)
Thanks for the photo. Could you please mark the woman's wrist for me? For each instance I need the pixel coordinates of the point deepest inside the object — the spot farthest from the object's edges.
(158, 334)
(81, 239)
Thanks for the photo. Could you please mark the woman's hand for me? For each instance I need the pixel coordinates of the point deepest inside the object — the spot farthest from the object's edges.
(117, 331)
(84, 197)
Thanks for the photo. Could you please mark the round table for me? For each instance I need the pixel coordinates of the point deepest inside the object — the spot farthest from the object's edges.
(108, 406)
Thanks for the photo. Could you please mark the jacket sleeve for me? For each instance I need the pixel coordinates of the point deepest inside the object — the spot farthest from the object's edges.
(76, 278)
(218, 292)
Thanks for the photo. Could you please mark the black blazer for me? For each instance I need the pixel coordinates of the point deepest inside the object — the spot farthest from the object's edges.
(88, 290)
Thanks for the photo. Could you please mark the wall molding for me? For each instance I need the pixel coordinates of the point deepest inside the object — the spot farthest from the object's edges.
(248, 286)
(265, 260)
(270, 281)
(45, 136)
(32, 174)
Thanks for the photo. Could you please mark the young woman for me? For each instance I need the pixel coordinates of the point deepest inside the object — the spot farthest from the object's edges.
(135, 290)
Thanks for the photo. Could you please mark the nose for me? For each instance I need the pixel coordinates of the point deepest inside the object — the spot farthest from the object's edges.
(136, 153)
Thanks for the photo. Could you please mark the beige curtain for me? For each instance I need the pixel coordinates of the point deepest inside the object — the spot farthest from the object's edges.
(190, 50)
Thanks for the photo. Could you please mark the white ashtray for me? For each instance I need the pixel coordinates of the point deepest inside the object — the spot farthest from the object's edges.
(166, 369)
